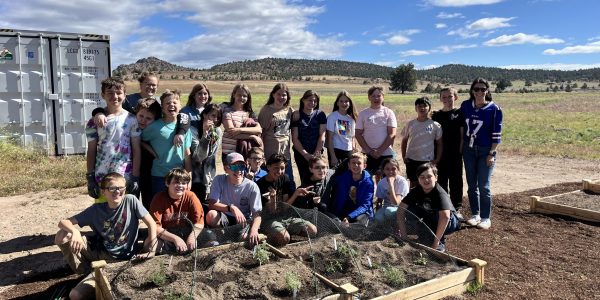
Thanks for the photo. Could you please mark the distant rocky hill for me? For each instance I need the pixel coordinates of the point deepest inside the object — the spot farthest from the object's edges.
(152, 64)
(289, 68)
(303, 69)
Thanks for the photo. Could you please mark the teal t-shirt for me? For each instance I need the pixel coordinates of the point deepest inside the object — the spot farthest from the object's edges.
(160, 136)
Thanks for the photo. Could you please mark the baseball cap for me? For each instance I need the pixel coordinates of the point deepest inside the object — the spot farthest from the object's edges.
(233, 157)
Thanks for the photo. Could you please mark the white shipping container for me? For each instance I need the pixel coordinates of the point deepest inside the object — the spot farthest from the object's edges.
(49, 84)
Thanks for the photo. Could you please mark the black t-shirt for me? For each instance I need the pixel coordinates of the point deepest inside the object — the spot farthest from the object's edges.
(452, 121)
(432, 202)
(283, 186)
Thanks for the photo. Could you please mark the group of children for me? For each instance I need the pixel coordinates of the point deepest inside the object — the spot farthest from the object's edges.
(168, 156)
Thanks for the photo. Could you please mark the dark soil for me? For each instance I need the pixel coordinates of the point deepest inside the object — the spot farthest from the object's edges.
(533, 256)
(530, 256)
(580, 199)
(235, 274)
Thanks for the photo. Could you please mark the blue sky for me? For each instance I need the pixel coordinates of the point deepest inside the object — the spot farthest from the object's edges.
(547, 34)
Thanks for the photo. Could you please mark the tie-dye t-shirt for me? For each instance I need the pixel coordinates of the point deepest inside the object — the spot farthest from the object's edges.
(113, 151)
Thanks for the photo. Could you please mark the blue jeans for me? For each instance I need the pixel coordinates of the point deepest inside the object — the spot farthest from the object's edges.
(289, 171)
(158, 185)
(386, 215)
(478, 180)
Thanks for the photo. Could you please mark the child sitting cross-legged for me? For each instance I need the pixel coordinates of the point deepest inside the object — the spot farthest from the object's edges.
(277, 188)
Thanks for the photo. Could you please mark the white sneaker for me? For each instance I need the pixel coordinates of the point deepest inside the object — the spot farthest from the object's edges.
(474, 220)
(485, 224)
(459, 216)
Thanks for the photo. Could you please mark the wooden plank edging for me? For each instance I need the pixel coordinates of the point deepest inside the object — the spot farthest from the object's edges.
(539, 206)
(589, 185)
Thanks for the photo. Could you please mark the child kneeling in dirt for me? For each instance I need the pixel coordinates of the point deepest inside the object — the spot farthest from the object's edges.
(235, 199)
(276, 189)
(178, 213)
(430, 202)
(115, 225)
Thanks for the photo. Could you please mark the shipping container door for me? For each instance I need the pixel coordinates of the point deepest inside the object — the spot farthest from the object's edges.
(25, 111)
(79, 68)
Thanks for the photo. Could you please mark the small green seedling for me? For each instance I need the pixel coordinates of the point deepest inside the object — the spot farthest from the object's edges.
(292, 280)
(474, 288)
(159, 278)
(333, 266)
(393, 276)
(261, 253)
(170, 295)
(346, 251)
(421, 260)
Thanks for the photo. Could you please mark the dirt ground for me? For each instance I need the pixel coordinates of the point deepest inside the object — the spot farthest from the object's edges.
(530, 256)
(218, 270)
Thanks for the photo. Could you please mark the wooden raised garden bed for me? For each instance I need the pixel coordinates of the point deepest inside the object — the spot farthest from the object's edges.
(452, 280)
(581, 204)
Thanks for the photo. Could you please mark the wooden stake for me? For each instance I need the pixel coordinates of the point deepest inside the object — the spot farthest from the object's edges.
(479, 266)
(103, 291)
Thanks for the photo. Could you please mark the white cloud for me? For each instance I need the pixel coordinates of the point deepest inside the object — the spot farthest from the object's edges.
(440, 25)
(413, 53)
(522, 38)
(489, 23)
(398, 40)
(401, 37)
(377, 42)
(445, 15)
(554, 66)
(228, 30)
(579, 49)
(452, 48)
(463, 33)
(118, 19)
(461, 3)
(427, 67)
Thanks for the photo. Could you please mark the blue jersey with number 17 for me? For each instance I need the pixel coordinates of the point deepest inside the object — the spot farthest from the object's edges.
(483, 125)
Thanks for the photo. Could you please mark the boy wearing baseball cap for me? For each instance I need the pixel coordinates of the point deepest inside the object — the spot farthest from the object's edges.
(235, 199)
(421, 140)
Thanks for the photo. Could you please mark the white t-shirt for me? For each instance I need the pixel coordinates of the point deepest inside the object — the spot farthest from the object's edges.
(342, 128)
(400, 188)
(421, 139)
(374, 123)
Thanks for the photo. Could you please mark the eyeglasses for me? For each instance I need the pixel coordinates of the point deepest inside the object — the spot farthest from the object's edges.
(256, 158)
(479, 89)
(238, 168)
(113, 189)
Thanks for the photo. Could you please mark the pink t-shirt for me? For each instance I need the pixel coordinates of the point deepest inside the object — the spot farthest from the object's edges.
(374, 123)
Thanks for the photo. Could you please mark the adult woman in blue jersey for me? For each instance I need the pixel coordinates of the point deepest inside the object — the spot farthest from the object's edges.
(482, 135)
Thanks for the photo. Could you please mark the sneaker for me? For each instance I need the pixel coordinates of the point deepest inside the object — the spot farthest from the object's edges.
(441, 247)
(485, 224)
(460, 216)
(474, 220)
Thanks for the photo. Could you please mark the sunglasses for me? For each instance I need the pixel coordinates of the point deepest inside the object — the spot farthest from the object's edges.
(238, 168)
(113, 189)
(479, 89)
